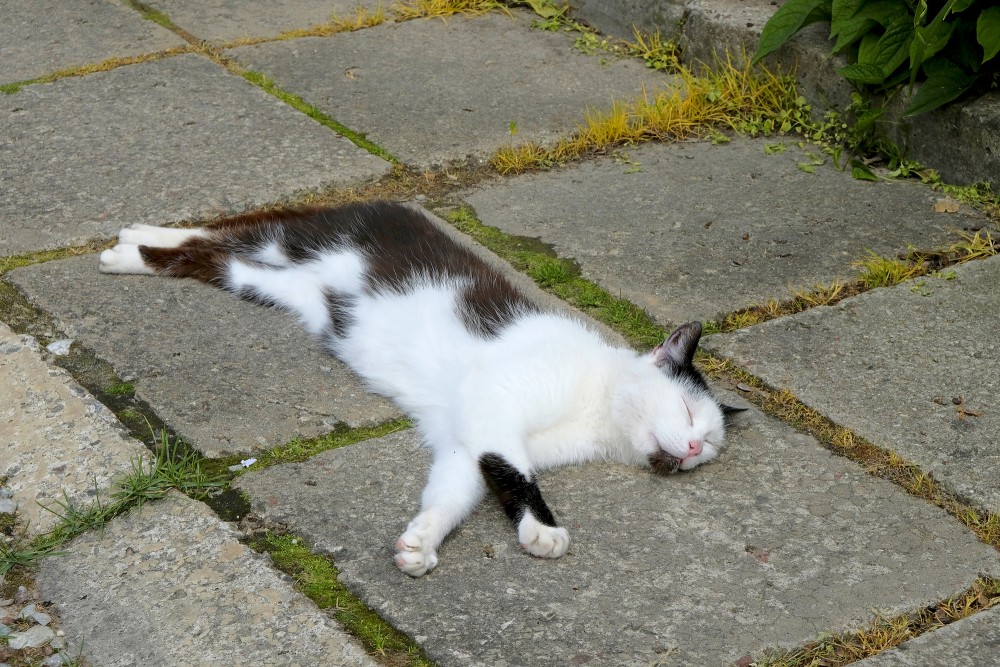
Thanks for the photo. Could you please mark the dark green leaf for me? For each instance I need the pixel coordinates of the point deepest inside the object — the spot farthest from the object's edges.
(881, 12)
(926, 42)
(789, 19)
(868, 48)
(988, 32)
(862, 171)
(945, 82)
(863, 73)
(960, 5)
(844, 10)
(893, 47)
(544, 8)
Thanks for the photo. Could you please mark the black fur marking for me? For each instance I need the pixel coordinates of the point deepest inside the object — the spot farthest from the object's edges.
(663, 463)
(340, 307)
(516, 493)
(400, 245)
(675, 356)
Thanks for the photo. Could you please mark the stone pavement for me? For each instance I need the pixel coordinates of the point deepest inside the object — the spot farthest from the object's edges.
(776, 545)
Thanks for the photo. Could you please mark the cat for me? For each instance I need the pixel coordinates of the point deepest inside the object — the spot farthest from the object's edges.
(498, 387)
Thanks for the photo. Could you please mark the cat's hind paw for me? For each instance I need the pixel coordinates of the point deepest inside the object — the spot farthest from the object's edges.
(540, 540)
(158, 237)
(413, 557)
(124, 258)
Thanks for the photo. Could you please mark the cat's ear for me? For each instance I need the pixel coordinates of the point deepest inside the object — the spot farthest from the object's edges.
(729, 413)
(677, 351)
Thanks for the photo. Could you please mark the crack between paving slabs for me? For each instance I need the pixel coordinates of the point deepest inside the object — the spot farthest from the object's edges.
(231, 65)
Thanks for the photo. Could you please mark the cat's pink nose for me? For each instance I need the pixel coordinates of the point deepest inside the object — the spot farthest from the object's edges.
(694, 448)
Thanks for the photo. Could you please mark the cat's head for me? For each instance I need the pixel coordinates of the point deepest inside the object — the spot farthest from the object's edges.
(676, 422)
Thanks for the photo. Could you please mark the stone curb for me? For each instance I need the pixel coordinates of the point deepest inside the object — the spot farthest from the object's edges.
(961, 141)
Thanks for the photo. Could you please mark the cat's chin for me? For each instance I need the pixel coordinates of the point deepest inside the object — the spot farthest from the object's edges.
(663, 463)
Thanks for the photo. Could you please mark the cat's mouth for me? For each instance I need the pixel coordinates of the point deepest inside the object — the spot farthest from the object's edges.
(663, 463)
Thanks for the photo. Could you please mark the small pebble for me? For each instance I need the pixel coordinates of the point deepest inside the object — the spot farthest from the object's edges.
(33, 637)
(7, 506)
(6, 602)
(58, 643)
(6, 493)
(60, 347)
(21, 594)
(54, 660)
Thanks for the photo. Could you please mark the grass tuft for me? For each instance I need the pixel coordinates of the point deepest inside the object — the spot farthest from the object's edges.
(749, 99)
(886, 632)
(413, 9)
(299, 450)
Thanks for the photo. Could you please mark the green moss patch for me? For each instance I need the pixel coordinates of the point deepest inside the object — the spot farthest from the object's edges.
(317, 577)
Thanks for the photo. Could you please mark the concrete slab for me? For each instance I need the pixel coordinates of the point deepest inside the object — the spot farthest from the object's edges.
(172, 585)
(775, 543)
(168, 140)
(227, 20)
(45, 36)
(227, 375)
(433, 92)
(890, 365)
(57, 439)
(971, 642)
(698, 230)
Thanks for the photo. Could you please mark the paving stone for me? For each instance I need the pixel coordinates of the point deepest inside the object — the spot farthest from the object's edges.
(56, 438)
(433, 92)
(891, 364)
(169, 140)
(172, 585)
(774, 544)
(693, 230)
(72, 34)
(226, 20)
(229, 376)
(971, 642)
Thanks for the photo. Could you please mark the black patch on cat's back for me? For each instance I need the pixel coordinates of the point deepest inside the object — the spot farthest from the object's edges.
(517, 494)
(402, 245)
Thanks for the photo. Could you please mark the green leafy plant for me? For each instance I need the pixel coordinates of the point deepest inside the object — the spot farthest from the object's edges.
(950, 46)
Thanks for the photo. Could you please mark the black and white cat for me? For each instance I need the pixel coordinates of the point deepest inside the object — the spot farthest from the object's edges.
(498, 388)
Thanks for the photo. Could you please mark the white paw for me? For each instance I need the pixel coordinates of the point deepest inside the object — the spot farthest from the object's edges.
(540, 540)
(157, 237)
(124, 258)
(413, 555)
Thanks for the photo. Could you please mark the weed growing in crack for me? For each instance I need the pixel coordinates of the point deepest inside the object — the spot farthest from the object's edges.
(317, 577)
(883, 463)
(886, 632)
(172, 467)
(749, 100)
(562, 278)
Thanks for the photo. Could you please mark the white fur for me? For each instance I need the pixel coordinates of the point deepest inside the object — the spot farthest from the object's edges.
(158, 237)
(124, 258)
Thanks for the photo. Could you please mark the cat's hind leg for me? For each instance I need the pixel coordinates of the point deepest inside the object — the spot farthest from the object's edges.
(126, 257)
(454, 488)
(522, 501)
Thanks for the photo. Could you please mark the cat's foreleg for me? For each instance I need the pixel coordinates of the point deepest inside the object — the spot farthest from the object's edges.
(522, 501)
(454, 488)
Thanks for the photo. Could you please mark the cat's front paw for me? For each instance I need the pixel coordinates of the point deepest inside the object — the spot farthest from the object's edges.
(540, 540)
(124, 258)
(413, 556)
